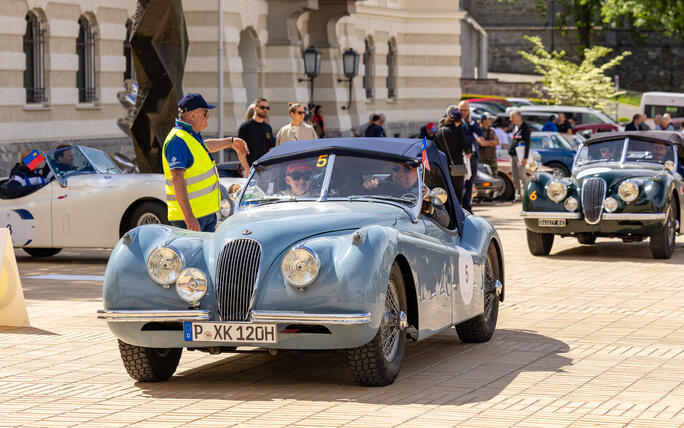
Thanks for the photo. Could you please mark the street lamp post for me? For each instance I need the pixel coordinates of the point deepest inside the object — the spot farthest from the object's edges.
(350, 67)
(312, 68)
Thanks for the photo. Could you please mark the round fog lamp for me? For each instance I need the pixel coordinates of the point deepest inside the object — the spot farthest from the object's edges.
(164, 265)
(556, 191)
(571, 204)
(191, 285)
(610, 204)
(628, 191)
(300, 266)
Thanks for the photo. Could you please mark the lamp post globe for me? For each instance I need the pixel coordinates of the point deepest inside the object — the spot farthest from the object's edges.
(350, 63)
(312, 62)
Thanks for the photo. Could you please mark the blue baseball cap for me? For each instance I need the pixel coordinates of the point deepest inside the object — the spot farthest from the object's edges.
(192, 101)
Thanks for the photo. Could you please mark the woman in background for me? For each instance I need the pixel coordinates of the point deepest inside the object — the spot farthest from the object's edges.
(296, 129)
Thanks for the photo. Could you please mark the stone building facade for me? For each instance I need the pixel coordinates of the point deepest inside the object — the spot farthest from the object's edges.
(65, 60)
(655, 64)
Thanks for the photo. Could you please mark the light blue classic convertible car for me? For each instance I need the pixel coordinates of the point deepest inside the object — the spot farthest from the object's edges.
(332, 246)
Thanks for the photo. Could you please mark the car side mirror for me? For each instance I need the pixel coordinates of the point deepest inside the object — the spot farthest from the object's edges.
(234, 191)
(669, 165)
(438, 196)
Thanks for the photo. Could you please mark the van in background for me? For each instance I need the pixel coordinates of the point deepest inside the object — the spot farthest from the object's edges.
(653, 103)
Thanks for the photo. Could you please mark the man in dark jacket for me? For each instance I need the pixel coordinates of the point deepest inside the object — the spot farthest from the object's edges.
(520, 146)
(450, 139)
(635, 124)
(473, 134)
(375, 128)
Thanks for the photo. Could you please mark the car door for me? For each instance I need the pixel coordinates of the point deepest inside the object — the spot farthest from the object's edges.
(29, 218)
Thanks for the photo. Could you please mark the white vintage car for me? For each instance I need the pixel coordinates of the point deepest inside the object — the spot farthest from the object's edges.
(89, 204)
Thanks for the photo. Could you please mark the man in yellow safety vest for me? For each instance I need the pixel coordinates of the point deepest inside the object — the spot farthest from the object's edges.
(192, 184)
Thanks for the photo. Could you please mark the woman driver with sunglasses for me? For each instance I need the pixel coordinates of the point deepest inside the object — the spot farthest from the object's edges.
(298, 179)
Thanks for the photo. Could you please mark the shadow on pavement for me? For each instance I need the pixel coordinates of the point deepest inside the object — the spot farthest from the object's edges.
(606, 251)
(26, 330)
(441, 366)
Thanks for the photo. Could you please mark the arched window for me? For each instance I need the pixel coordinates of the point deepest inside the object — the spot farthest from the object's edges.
(85, 49)
(129, 73)
(34, 50)
(368, 67)
(391, 70)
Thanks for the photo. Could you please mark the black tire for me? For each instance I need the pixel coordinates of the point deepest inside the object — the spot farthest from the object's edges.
(149, 364)
(662, 244)
(586, 239)
(540, 244)
(482, 327)
(371, 364)
(42, 252)
(508, 192)
(148, 213)
(560, 168)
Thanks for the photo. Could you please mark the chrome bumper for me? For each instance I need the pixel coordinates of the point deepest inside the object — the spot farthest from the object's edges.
(553, 215)
(152, 315)
(605, 216)
(258, 317)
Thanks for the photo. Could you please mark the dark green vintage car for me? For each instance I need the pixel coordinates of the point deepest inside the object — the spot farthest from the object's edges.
(624, 185)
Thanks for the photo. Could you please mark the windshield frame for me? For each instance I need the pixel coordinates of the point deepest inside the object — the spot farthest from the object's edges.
(62, 177)
(413, 212)
(623, 157)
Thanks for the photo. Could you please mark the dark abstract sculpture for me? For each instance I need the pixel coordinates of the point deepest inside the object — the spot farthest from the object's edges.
(159, 45)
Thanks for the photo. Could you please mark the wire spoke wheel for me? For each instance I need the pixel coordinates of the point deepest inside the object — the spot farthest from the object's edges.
(148, 218)
(390, 331)
(489, 290)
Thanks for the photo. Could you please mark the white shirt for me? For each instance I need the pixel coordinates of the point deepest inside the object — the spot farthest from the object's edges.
(502, 136)
(290, 132)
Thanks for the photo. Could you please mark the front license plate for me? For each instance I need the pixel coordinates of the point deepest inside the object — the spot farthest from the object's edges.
(551, 222)
(229, 332)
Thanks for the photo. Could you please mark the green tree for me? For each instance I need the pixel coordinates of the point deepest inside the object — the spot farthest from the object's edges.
(585, 15)
(583, 84)
(663, 16)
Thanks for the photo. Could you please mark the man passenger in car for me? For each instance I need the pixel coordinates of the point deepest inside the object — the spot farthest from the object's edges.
(64, 158)
(405, 177)
(608, 151)
(298, 179)
(659, 152)
(24, 180)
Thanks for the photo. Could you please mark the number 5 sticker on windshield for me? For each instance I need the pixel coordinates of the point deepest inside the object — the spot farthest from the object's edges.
(322, 161)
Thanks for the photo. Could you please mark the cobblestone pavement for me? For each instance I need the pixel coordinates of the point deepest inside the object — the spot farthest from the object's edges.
(591, 335)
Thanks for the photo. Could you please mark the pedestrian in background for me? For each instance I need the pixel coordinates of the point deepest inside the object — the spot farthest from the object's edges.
(519, 147)
(550, 125)
(643, 126)
(375, 128)
(473, 134)
(489, 143)
(249, 113)
(563, 125)
(450, 139)
(192, 183)
(319, 124)
(666, 123)
(657, 121)
(257, 132)
(635, 124)
(361, 130)
(501, 130)
(296, 129)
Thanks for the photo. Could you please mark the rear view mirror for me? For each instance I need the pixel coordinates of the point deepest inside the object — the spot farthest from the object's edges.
(438, 196)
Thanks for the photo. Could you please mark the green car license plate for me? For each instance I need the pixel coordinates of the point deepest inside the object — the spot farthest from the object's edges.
(229, 332)
(552, 222)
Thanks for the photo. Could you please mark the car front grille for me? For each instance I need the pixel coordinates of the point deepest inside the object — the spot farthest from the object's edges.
(593, 192)
(236, 276)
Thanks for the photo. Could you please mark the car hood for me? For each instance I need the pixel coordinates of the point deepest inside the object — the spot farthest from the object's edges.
(288, 222)
(615, 175)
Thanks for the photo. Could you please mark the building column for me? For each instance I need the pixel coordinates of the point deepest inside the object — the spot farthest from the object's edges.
(283, 58)
(330, 93)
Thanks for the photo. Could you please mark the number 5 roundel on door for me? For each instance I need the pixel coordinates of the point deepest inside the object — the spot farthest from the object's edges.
(466, 275)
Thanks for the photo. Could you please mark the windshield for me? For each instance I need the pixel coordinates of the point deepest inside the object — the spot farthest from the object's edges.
(327, 177)
(550, 142)
(80, 160)
(637, 151)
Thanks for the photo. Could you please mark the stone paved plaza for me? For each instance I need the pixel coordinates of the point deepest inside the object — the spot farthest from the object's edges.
(589, 336)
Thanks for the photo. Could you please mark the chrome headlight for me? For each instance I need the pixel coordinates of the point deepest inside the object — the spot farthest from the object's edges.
(571, 204)
(628, 191)
(225, 208)
(610, 204)
(300, 266)
(556, 191)
(164, 265)
(191, 285)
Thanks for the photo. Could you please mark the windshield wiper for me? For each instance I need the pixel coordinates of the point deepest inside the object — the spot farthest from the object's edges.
(269, 200)
(410, 201)
(594, 161)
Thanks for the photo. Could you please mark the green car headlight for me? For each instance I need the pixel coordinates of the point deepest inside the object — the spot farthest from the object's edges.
(164, 264)
(556, 191)
(628, 191)
(191, 285)
(300, 266)
(571, 204)
(610, 204)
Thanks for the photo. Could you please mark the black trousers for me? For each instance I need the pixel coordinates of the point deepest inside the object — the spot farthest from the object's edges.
(457, 182)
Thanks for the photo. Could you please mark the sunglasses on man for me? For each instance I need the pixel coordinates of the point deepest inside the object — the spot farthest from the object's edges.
(264, 107)
(402, 168)
(297, 175)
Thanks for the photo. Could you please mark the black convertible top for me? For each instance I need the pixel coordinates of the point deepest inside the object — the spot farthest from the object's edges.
(671, 137)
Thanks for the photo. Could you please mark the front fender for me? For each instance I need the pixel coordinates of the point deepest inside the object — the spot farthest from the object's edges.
(478, 235)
